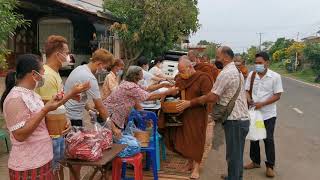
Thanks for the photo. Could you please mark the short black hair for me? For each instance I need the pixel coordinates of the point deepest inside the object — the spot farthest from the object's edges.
(158, 59)
(142, 61)
(228, 51)
(264, 55)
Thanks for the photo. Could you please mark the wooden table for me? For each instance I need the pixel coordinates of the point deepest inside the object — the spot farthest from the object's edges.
(101, 165)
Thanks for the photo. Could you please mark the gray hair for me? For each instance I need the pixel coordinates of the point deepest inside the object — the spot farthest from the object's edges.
(133, 74)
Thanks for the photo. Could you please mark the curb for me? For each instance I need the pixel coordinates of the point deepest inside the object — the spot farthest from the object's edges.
(302, 82)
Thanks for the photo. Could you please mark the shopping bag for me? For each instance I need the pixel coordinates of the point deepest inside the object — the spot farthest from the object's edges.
(257, 130)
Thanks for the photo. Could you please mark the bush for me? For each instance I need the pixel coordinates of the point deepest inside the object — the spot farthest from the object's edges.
(312, 54)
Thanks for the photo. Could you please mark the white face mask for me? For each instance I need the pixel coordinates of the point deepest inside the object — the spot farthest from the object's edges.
(39, 83)
(66, 61)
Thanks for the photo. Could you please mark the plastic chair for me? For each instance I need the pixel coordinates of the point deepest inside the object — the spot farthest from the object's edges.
(121, 163)
(4, 136)
(141, 118)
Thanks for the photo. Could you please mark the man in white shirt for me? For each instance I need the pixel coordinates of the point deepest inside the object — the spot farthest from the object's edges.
(264, 88)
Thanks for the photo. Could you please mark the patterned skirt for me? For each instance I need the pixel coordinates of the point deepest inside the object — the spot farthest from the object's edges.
(42, 173)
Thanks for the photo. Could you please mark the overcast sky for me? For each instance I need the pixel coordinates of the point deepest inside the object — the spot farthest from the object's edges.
(237, 22)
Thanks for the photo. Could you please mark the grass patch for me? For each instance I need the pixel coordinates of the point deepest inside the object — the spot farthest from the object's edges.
(307, 75)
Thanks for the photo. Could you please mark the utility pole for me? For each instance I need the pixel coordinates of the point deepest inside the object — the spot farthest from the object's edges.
(260, 37)
(296, 62)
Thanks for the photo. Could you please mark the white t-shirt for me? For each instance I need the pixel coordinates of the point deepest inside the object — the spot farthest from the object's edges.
(263, 89)
(145, 82)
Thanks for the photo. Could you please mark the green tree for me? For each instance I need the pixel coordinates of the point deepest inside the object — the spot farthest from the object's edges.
(266, 45)
(151, 27)
(204, 42)
(211, 50)
(251, 54)
(280, 44)
(10, 20)
(312, 53)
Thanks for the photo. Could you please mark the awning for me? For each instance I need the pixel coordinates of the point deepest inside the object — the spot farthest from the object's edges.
(94, 7)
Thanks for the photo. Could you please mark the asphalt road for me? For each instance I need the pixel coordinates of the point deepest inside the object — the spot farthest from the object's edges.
(297, 138)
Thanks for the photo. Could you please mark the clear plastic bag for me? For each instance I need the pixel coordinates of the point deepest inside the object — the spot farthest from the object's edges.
(129, 139)
(257, 130)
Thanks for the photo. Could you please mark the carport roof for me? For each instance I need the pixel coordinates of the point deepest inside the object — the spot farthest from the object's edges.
(94, 7)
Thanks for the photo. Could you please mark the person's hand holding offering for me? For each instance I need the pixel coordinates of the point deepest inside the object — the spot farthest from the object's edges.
(79, 88)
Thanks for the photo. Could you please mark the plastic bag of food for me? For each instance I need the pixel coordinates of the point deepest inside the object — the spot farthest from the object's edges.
(132, 148)
(88, 144)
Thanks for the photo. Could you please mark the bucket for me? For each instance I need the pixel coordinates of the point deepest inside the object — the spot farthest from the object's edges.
(56, 121)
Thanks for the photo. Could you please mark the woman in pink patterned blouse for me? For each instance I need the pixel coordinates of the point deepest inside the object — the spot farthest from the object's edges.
(128, 94)
(24, 112)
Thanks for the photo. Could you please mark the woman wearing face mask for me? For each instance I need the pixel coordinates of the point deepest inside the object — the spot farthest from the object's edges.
(128, 94)
(24, 112)
(156, 70)
(112, 80)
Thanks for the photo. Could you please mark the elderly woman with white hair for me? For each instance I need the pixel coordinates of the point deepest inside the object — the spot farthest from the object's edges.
(128, 94)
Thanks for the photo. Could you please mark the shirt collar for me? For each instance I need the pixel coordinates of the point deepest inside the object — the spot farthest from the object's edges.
(269, 74)
(113, 74)
(229, 65)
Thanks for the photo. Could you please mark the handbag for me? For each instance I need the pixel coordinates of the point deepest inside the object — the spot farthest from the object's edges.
(221, 113)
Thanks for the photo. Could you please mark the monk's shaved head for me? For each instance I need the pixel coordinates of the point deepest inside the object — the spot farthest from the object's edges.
(185, 64)
(185, 60)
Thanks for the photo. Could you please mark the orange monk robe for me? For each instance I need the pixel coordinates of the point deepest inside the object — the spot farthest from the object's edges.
(189, 139)
(208, 68)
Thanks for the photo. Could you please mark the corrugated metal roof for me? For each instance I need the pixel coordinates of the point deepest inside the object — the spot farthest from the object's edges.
(90, 6)
(311, 38)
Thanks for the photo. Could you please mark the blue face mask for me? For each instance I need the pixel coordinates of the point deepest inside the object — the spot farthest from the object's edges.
(120, 73)
(260, 68)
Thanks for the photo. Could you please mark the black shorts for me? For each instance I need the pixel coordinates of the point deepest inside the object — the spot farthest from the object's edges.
(76, 122)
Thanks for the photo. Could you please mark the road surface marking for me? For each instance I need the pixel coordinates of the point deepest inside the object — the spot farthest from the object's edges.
(297, 110)
(302, 82)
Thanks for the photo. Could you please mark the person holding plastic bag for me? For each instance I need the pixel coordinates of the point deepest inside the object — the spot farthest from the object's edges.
(264, 88)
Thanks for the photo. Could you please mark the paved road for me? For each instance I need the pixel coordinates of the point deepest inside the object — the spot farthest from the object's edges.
(297, 138)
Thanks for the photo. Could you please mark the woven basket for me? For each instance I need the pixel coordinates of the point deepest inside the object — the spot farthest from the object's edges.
(143, 137)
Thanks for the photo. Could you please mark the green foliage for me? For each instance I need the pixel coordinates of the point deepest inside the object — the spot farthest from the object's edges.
(151, 27)
(312, 53)
(211, 50)
(266, 45)
(280, 44)
(279, 55)
(251, 54)
(204, 42)
(10, 20)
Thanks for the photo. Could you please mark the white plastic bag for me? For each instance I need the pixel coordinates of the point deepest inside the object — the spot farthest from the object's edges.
(257, 130)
